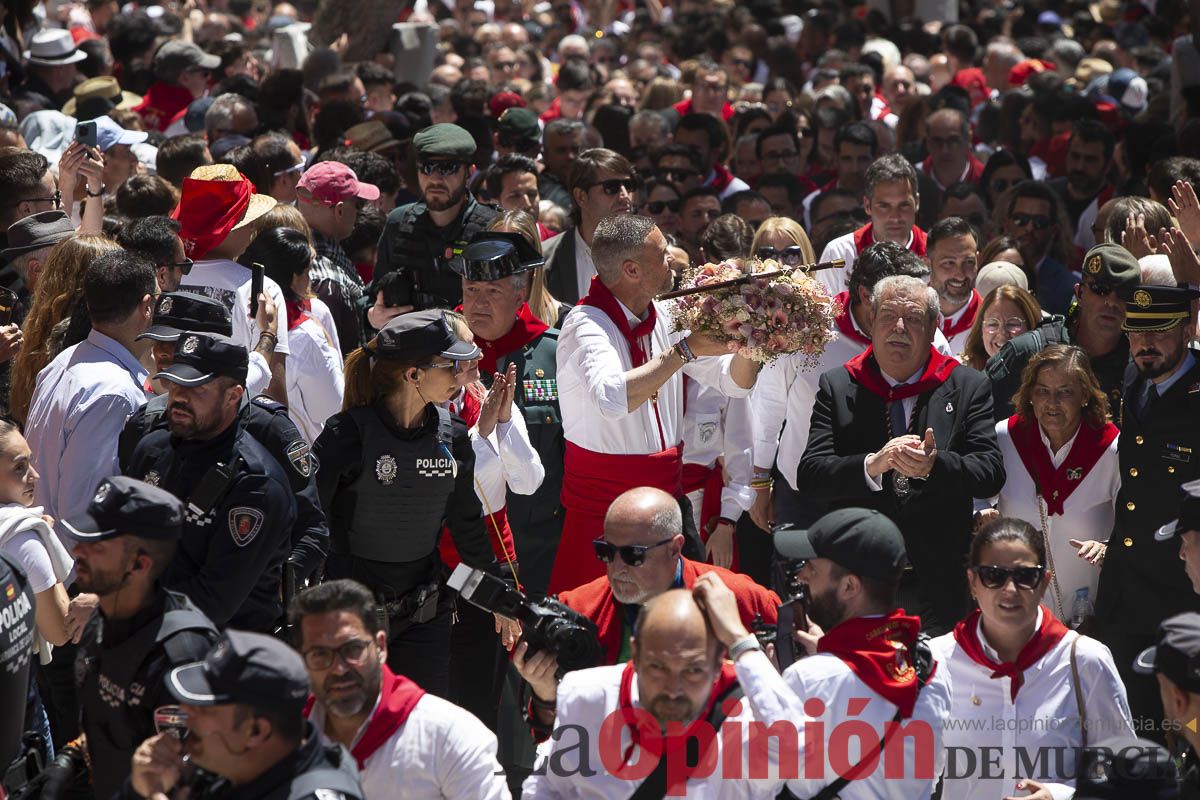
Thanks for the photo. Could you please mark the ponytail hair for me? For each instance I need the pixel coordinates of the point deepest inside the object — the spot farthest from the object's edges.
(370, 379)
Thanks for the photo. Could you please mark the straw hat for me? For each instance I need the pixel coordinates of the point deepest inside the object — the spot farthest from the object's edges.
(259, 203)
(104, 87)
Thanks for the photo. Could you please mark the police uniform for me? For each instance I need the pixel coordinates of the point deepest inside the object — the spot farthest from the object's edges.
(17, 625)
(264, 419)
(240, 510)
(1106, 265)
(1176, 656)
(427, 255)
(122, 663)
(1141, 581)
(267, 675)
(536, 519)
(387, 492)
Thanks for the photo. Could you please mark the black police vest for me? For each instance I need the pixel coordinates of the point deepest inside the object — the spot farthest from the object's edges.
(107, 687)
(401, 490)
(337, 774)
(16, 654)
(436, 276)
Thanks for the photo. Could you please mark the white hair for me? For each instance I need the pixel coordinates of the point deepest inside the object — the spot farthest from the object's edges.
(909, 287)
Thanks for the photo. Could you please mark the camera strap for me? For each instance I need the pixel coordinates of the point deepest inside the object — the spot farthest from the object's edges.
(654, 787)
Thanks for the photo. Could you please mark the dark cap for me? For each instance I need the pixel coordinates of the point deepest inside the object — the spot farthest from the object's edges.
(123, 506)
(423, 334)
(36, 231)
(201, 357)
(1177, 652)
(1111, 265)
(520, 124)
(1141, 769)
(244, 668)
(177, 312)
(864, 542)
(1157, 308)
(491, 256)
(445, 141)
(176, 55)
(1189, 514)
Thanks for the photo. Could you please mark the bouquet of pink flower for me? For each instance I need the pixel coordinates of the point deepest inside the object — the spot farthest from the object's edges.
(763, 318)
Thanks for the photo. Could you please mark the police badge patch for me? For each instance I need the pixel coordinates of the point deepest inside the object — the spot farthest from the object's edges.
(385, 469)
(300, 454)
(244, 524)
(165, 306)
(190, 344)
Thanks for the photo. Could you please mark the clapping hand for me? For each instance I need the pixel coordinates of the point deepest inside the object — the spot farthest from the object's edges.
(497, 406)
(916, 461)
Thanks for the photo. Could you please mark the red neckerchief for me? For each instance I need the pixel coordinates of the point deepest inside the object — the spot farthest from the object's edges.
(974, 169)
(864, 237)
(684, 107)
(466, 407)
(865, 372)
(845, 322)
(162, 102)
(525, 329)
(722, 177)
(644, 730)
(1051, 632)
(1056, 485)
(879, 651)
(398, 696)
(553, 112)
(297, 312)
(964, 322)
(601, 297)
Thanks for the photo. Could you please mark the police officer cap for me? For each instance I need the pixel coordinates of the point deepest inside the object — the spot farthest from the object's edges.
(492, 255)
(864, 542)
(123, 506)
(1189, 514)
(423, 334)
(201, 357)
(444, 141)
(1157, 308)
(1141, 769)
(1111, 265)
(1177, 653)
(244, 668)
(176, 312)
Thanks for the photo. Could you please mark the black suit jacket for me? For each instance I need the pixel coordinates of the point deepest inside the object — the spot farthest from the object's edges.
(562, 278)
(849, 422)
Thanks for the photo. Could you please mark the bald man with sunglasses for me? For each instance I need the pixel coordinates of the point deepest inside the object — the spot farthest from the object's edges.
(642, 553)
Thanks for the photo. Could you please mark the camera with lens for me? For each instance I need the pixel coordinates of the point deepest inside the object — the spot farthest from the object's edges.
(26, 778)
(546, 624)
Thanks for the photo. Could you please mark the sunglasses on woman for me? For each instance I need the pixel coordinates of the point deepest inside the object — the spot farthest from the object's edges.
(632, 554)
(788, 255)
(994, 577)
(659, 206)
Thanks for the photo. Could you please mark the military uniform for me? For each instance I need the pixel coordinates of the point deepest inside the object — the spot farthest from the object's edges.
(430, 257)
(240, 506)
(1142, 580)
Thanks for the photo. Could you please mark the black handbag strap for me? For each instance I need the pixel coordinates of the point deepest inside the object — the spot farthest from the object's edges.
(654, 787)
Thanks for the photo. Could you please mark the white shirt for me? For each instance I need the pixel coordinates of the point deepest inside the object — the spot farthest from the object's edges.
(1087, 514)
(504, 460)
(826, 677)
(588, 697)
(838, 280)
(592, 359)
(315, 383)
(441, 751)
(958, 342)
(716, 426)
(585, 268)
(229, 282)
(1045, 715)
(79, 406)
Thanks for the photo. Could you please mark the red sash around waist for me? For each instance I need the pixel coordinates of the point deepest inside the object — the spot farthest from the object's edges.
(591, 481)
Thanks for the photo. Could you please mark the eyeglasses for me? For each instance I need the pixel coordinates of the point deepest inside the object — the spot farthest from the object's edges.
(1099, 289)
(632, 554)
(352, 652)
(56, 199)
(1038, 221)
(1013, 325)
(459, 367)
(677, 174)
(443, 168)
(994, 577)
(773, 158)
(659, 206)
(184, 266)
(613, 186)
(788, 255)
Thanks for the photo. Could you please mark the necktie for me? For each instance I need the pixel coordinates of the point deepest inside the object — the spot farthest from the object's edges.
(899, 420)
(1149, 395)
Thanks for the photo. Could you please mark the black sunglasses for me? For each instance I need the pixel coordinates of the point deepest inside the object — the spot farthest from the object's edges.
(659, 206)
(184, 266)
(1038, 221)
(676, 174)
(632, 554)
(613, 186)
(994, 577)
(789, 255)
(1099, 289)
(443, 168)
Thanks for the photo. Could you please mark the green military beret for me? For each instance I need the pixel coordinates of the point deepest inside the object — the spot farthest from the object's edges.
(444, 140)
(1111, 265)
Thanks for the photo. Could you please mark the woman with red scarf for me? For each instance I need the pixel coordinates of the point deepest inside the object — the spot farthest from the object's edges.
(1023, 682)
(1060, 456)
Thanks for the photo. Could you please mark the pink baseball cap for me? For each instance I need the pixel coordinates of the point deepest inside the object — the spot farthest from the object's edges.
(334, 182)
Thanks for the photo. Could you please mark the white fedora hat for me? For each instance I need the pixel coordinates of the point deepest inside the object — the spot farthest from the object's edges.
(53, 48)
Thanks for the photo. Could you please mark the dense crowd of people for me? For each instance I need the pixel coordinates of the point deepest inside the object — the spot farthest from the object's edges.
(349, 448)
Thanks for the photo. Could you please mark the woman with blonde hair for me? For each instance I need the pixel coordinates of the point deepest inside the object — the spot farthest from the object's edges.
(58, 296)
(543, 304)
(782, 239)
(661, 93)
(1007, 311)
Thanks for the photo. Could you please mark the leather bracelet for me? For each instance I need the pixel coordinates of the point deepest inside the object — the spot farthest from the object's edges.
(274, 339)
(744, 645)
(726, 521)
(685, 352)
(542, 705)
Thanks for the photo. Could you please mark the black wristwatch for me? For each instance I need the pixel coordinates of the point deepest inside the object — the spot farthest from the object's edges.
(103, 191)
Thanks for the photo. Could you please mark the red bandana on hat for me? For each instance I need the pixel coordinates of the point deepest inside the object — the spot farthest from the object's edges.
(879, 651)
(1056, 485)
(208, 211)
(1051, 632)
